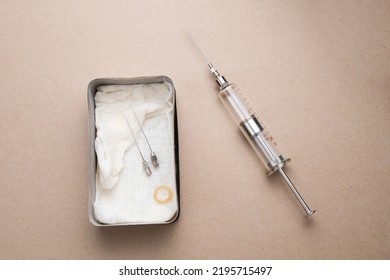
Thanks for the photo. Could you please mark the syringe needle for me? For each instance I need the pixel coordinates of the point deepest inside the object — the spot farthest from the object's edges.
(197, 47)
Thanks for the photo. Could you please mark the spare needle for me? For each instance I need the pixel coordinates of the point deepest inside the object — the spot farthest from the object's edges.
(152, 154)
(144, 162)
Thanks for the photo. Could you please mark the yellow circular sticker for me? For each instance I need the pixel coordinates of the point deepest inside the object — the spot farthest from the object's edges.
(163, 194)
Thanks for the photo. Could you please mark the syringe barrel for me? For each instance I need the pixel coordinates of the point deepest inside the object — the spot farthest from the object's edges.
(252, 129)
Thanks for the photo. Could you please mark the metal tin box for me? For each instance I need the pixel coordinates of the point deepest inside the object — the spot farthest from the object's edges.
(92, 89)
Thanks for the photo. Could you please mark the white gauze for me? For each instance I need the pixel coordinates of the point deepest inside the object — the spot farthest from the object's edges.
(124, 194)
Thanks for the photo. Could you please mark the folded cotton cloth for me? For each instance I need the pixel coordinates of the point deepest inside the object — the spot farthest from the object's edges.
(124, 194)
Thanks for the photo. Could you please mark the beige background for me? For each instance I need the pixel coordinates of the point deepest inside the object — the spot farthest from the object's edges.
(316, 72)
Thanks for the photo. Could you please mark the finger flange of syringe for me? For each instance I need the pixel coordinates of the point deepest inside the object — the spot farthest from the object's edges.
(254, 133)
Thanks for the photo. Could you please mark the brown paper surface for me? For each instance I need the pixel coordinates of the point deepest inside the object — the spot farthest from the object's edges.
(316, 73)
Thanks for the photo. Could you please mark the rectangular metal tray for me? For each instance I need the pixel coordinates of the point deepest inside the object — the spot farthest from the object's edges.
(92, 88)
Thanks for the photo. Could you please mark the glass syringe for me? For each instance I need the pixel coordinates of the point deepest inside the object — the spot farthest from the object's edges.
(253, 130)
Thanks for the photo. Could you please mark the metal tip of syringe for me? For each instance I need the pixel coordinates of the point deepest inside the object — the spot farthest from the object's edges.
(222, 82)
(305, 207)
(213, 69)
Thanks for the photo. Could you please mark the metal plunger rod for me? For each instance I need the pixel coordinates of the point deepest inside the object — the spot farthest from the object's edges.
(305, 207)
